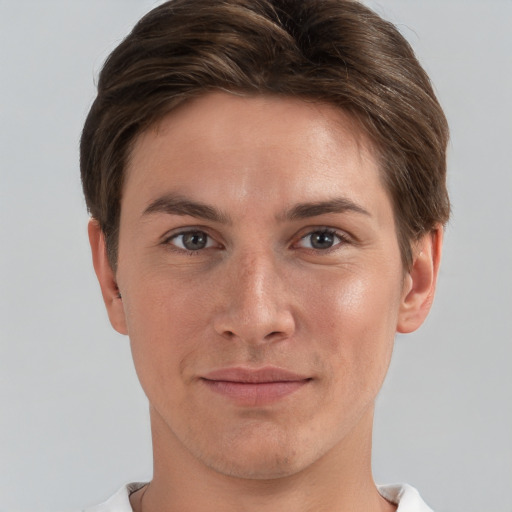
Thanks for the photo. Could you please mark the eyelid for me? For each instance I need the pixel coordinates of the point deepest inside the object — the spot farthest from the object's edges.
(343, 237)
(175, 233)
(171, 233)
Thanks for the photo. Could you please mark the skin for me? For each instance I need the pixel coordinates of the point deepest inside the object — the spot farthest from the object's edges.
(262, 292)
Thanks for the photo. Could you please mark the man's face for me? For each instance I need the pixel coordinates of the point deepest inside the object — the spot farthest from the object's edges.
(261, 280)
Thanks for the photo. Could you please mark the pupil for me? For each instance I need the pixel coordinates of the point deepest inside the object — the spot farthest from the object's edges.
(194, 241)
(321, 240)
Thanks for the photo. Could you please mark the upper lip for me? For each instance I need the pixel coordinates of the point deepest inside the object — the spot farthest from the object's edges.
(254, 375)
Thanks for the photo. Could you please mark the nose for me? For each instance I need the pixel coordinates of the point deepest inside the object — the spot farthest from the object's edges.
(255, 306)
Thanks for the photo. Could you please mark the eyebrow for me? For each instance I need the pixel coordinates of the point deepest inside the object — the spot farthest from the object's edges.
(178, 205)
(314, 209)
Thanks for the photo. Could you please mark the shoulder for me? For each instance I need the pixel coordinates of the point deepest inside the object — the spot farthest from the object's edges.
(119, 502)
(405, 496)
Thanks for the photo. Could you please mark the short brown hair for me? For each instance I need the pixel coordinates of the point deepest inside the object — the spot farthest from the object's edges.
(334, 51)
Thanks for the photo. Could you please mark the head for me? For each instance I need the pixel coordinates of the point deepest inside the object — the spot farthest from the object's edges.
(334, 51)
(267, 183)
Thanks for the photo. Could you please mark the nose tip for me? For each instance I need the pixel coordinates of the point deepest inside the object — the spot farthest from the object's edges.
(254, 328)
(256, 308)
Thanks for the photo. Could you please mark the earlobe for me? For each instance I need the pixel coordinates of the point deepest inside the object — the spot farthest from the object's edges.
(420, 281)
(105, 274)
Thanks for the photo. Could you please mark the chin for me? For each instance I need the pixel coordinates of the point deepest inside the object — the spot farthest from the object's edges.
(270, 467)
(265, 456)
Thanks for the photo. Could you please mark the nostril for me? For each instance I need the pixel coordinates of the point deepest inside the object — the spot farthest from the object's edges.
(273, 334)
(254, 324)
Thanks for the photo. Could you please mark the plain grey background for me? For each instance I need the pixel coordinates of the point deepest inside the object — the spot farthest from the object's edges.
(73, 421)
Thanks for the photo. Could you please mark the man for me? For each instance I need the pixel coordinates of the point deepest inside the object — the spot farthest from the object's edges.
(266, 180)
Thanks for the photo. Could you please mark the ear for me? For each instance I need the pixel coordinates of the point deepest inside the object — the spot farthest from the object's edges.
(105, 274)
(420, 281)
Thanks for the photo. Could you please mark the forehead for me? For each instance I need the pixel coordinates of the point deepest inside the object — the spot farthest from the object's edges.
(255, 147)
(286, 115)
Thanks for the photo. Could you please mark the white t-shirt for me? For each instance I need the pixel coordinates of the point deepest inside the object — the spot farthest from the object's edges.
(406, 497)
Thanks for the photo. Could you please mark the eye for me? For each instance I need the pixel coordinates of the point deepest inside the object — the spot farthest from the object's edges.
(321, 239)
(191, 240)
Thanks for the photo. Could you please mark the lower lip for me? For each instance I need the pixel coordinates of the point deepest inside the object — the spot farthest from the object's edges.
(258, 393)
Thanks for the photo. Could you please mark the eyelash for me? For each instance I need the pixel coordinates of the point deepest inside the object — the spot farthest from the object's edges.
(168, 241)
(341, 237)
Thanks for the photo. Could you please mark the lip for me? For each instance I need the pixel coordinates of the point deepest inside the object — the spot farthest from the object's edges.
(253, 387)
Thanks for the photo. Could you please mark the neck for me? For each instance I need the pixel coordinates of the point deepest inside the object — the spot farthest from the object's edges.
(340, 480)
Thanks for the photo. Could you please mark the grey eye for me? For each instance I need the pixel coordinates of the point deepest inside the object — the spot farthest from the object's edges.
(320, 240)
(192, 240)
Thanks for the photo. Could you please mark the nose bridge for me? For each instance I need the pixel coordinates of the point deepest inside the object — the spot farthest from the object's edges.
(254, 276)
(256, 307)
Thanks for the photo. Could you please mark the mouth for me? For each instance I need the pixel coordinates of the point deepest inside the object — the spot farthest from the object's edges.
(253, 387)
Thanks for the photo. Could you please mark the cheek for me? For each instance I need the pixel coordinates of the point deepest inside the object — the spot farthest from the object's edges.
(355, 316)
(164, 329)
(160, 305)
